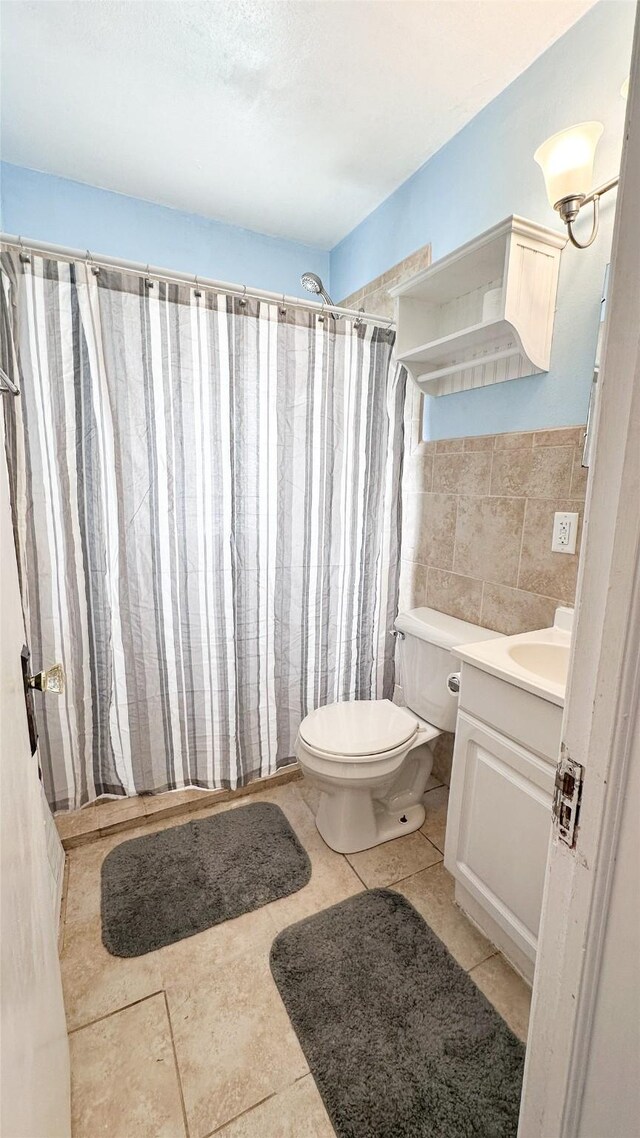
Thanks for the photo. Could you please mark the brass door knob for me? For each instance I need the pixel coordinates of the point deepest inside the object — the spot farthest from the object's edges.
(52, 680)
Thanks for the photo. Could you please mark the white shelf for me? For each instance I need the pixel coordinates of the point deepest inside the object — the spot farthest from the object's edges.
(442, 337)
(439, 352)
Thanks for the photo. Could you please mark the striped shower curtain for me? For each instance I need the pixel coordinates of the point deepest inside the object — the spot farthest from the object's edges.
(206, 507)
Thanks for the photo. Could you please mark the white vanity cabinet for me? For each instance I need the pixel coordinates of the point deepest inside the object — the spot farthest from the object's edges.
(499, 821)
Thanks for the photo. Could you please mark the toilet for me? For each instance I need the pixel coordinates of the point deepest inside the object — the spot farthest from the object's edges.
(371, 759)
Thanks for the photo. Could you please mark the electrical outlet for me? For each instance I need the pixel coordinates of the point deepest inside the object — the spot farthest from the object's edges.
(565, 533)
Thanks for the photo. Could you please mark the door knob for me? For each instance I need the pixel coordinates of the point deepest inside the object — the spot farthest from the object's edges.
(52, 680)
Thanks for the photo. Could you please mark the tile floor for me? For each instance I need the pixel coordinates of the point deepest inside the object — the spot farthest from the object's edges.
(193, 1040)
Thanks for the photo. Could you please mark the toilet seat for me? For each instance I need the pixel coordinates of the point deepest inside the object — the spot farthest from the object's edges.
(357, 731)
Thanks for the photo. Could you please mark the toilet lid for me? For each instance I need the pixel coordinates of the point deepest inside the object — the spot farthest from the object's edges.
(360, 727)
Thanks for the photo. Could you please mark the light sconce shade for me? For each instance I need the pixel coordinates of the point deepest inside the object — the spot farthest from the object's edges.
(566, 160)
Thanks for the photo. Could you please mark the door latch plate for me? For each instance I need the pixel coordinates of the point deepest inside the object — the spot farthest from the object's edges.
(566, 797)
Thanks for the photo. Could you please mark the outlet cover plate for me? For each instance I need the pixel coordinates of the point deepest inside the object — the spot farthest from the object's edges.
(565, 533)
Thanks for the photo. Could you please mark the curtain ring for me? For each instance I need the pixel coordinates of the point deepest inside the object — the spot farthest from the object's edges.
(197, 293)
(24, 256)
(148, 282)
(321, 316)
(283, 307)
(359, 322)
(243, 299)
(89, 259)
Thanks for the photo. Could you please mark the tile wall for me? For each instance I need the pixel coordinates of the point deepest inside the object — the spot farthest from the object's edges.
(477, 525)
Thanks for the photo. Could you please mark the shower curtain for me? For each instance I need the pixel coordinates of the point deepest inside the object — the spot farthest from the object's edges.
(206, 509)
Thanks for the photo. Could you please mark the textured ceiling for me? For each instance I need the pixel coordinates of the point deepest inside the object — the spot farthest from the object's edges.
(293, 118)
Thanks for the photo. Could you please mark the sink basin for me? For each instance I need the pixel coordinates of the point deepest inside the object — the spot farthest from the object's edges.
(536, 661)
(550, 661)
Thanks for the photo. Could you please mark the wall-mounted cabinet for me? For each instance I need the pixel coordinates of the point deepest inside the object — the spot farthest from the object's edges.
(483, 314)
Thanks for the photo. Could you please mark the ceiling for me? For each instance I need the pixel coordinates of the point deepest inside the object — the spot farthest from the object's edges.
(291, 117)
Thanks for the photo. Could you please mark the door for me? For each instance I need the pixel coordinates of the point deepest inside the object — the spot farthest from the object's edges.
(34, 1053)
(582, 1073)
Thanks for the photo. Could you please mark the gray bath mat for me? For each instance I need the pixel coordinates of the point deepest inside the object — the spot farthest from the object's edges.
(162, 887)
(399, 1040)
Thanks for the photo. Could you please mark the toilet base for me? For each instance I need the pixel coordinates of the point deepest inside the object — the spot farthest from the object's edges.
(352, 823)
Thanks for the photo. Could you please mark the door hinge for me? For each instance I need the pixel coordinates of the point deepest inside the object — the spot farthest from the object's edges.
(566, 797)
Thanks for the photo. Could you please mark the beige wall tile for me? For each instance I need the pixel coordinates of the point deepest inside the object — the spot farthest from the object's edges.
(436, 529)
(443, 757)
(502, 542)
(392, 861)
(488, 538)
(354, 300)
(537, 473)
(419, 259)
(514, 440)
(507, 991)
(515, 610)
(541, 571)
(463, 473)
(418, 472)
(413, 586)
(431, 892)
(579, 475)
(379, 303)
(558, 437)
(454, 594)
(123, 1076)
(480, 442)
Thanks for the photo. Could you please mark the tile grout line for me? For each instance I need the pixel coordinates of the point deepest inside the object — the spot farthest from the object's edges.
(177, 1065)
(524, 521)
(248, 1110)
(490, 956)
(108, 1015)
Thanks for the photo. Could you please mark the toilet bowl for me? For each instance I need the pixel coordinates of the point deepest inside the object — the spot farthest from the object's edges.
(371, 759)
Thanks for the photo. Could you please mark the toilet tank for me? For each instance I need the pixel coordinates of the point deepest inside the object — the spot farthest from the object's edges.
(425, 660)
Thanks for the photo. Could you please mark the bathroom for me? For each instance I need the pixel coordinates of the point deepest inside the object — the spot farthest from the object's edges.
(319, 538)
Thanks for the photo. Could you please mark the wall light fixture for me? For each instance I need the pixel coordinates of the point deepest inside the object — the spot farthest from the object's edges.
(566, 160)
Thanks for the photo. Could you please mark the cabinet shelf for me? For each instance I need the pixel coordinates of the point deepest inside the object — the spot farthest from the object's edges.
(453, 336)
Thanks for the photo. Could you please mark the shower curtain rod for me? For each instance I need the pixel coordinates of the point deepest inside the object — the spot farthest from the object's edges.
(152, 272)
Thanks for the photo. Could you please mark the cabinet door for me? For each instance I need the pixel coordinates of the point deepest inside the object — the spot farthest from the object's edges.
(499, 826)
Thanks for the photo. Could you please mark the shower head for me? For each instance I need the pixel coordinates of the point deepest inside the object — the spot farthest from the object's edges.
(312, 283)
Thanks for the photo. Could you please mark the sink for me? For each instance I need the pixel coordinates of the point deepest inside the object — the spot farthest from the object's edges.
(550, 661)
(536, 661)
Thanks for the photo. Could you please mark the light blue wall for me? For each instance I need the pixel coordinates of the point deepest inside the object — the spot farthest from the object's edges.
(41, 206)
(487, 172)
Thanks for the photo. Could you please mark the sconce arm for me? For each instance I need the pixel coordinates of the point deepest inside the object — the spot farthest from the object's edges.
(594, 229)
(603, 189)
(594, 197)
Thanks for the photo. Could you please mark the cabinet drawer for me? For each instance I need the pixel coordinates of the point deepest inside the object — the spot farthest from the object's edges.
(529, 720)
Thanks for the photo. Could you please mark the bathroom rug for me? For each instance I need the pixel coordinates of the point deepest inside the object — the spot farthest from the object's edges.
(398, 1038)
(163, 887)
